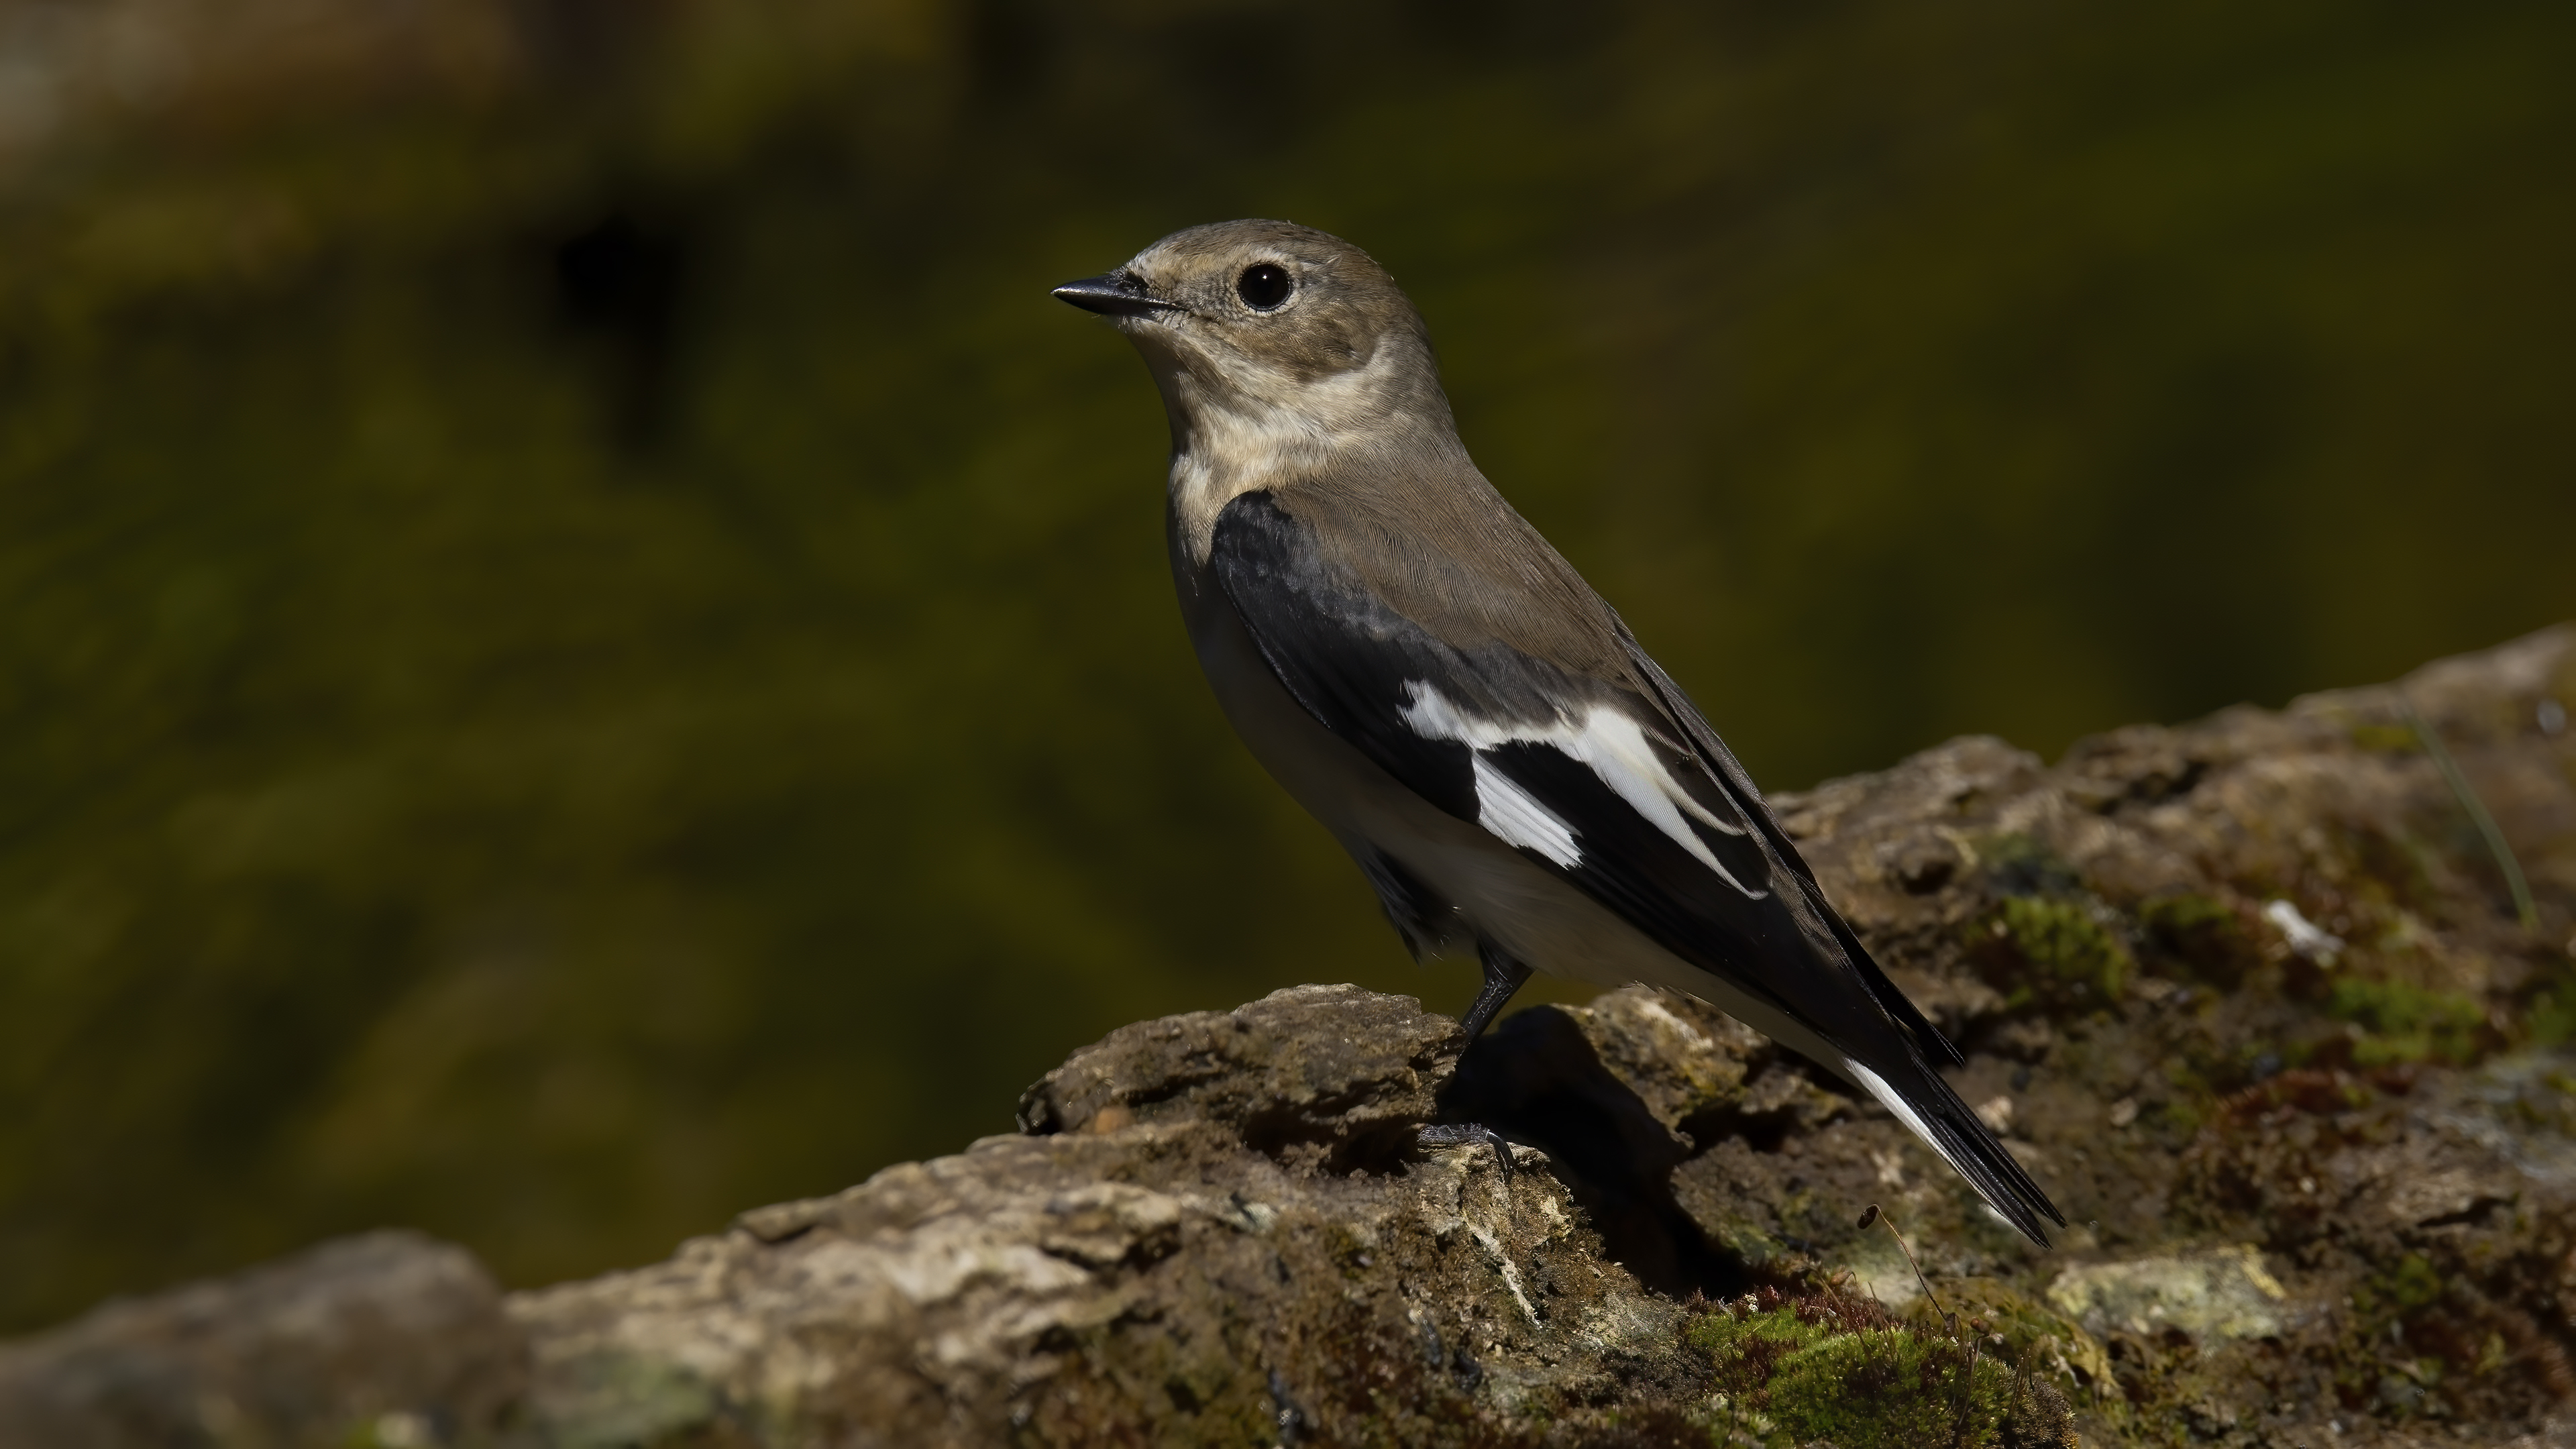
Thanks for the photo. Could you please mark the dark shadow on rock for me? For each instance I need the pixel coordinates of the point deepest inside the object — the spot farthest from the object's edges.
(1536, 1080)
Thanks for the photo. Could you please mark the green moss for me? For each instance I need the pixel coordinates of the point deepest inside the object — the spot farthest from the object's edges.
(2408, 1023)
(2031, 1330)
(2412, 1283)
(2176, 915)
(1845, 1372)
(2061, 943)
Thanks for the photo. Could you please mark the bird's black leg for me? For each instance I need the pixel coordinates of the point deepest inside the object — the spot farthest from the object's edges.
(1503, 976)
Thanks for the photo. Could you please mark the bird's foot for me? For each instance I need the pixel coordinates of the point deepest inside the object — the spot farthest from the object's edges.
(1467, 1134)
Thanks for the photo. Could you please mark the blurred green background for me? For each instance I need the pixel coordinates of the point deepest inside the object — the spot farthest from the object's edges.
(581, 646)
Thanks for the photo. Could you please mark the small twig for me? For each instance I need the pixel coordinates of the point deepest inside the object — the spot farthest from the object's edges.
(1949, 1322)
(2525, 909)
(1873, 1215)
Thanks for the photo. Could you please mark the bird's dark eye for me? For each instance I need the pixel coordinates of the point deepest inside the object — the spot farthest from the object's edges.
(1264, 288)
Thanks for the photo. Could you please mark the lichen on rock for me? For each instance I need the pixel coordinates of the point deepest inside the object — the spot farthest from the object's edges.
(2224, 1292)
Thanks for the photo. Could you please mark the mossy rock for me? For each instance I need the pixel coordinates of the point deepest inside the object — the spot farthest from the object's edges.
(2034, 1334)
(2200, 938)
(1846, 1371)
(2051, 952)
(2403, 1023)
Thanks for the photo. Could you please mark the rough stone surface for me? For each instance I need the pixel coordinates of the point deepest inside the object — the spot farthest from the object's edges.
(2222, 1293)
(2250, 996)
(1226, 1231)
(389, 1335)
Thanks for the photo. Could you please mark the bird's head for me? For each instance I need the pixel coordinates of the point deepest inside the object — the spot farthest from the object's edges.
(1274, 343)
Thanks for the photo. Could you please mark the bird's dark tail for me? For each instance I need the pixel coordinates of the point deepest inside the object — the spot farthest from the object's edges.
(1925, 1103)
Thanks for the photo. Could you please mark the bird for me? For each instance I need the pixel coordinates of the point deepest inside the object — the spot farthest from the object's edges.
(1413, 662)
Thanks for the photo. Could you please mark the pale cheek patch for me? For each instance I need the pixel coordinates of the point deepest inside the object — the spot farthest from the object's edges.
(1611, 744)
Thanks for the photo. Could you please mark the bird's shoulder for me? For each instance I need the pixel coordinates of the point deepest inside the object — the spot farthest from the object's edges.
(1413, 645)
(1440, 548)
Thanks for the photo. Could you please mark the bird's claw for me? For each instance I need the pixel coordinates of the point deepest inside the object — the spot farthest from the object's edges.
(1468, 1134)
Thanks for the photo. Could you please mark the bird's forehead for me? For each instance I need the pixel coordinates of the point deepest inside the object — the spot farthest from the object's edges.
(1224, 246)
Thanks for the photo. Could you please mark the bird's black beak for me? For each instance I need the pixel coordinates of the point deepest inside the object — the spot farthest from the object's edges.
(1113, 294)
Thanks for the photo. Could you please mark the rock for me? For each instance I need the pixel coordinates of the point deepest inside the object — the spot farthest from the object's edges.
(2318, 1195)
(1301, 1074)
(1217, 1221)
(390, 1335)
(2223, 1293)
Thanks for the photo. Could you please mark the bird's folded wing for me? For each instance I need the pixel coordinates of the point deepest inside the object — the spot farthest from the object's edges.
(1617, 785)
(1582, 773)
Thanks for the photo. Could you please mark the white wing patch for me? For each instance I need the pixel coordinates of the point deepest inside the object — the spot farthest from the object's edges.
(1877, 1086)
(1607, 740)
(1507, 811)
